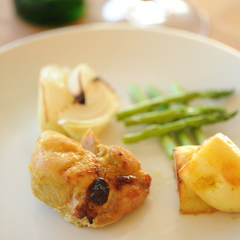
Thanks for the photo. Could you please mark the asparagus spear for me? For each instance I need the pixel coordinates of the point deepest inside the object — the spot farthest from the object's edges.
(167, 141)
(198, 134)
(183, 136)
(157, 129)
(136, 94)
(153, 92)
(170, 114)
(182, 97)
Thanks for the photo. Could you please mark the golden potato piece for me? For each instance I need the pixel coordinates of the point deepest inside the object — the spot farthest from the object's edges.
(213, 173)
(190, 203)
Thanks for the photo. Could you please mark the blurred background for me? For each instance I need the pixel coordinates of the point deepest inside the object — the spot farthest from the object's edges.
(220, 18)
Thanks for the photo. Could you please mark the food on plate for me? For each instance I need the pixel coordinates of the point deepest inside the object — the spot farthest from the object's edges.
(190, 203)
(89, 184)
(212, 172)
(178, 125)
(136, 94)
(169, 117)
(189, 135)
(148, 104)
(71, 101)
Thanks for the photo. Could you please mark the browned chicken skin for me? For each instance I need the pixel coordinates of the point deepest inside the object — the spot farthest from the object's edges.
(93, 187)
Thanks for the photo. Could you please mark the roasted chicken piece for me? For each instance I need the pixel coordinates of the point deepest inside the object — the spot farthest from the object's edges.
(89, 184)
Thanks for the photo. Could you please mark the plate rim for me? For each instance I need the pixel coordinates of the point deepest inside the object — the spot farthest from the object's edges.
(102, 26)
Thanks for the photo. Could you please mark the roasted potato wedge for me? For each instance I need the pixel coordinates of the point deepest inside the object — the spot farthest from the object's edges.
(190, 203)
(213, 173)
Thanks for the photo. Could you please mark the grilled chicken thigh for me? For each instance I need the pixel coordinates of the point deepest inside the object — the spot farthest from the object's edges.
(89, 184)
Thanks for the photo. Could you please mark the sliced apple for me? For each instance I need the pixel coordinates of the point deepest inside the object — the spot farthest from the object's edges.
(213, 173)
(190, 203)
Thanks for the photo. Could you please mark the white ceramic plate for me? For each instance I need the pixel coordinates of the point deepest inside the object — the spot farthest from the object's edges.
(122, 55)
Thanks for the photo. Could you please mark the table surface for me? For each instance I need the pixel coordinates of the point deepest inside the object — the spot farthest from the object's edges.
(224, 18)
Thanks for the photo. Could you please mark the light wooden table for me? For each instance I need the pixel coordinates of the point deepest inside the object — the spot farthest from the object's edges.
(224, 17)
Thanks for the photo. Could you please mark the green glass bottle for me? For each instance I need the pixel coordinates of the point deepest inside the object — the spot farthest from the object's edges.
(50, 12)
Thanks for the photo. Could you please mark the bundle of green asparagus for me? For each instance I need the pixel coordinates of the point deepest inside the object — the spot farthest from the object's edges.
(169, 117)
